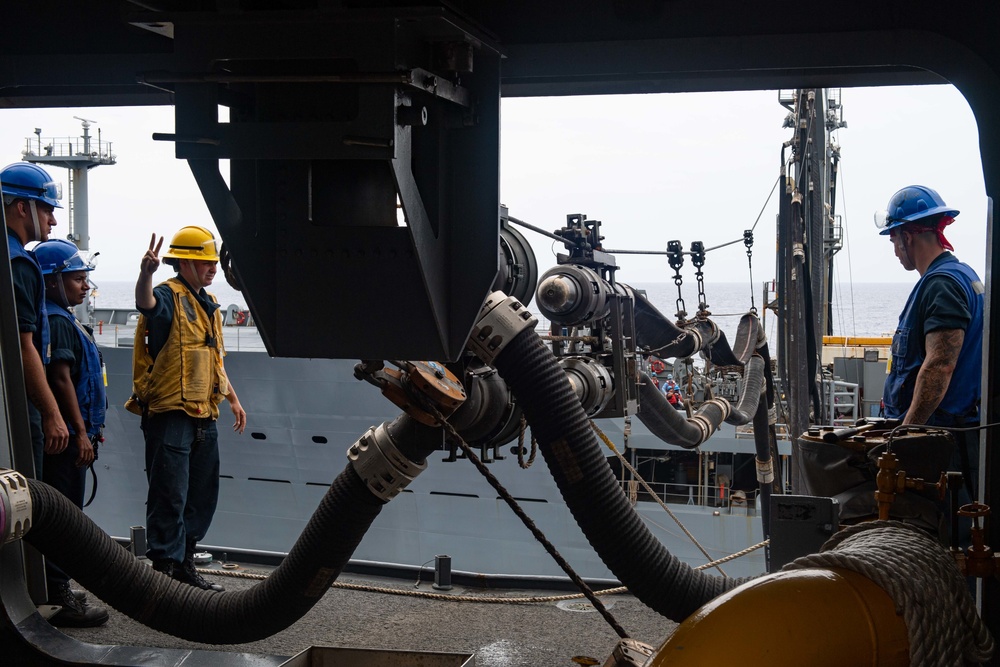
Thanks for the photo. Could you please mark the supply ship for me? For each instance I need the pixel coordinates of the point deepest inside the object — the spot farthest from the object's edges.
(699, 498)
(342, 113)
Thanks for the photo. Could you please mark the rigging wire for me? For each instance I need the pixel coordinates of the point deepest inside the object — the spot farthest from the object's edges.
(759, 215)
(847, 243)
(685, 252)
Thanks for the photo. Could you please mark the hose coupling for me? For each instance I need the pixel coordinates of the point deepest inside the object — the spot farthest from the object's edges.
(380, 464)
(15, 506)
(501, 319)
(765, 471)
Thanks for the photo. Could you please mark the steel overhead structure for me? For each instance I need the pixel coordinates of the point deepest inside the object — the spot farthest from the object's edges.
(339, 109)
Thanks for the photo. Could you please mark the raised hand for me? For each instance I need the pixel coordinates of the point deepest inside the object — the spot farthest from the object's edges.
(151, 260)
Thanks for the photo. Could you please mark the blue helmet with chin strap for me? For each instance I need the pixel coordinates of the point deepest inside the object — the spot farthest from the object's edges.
(912, 204)
(60, 256)
(25, 180)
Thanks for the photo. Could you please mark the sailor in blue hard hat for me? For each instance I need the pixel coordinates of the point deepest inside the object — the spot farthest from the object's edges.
(62, 258)
(30, 197)
(75, 374)
(915, 209)
(37, 196)
(937, 348)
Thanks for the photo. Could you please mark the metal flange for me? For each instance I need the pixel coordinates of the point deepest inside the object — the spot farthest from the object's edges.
(501, 318)
(380, 464)
(15, 506)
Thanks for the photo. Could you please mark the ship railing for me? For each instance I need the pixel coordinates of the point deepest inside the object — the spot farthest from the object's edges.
(97, 150)
(841, 401)
(721, 497)
(237, 339)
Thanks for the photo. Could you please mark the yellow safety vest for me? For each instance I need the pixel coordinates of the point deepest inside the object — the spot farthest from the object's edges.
(188, 373)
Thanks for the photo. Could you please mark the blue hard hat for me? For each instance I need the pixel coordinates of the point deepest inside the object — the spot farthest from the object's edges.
(59, 255)
(29, 181)
(911, 204)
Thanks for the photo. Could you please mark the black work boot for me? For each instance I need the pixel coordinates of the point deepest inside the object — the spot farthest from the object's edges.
(187, 573)
(166, 566)
(74, 613)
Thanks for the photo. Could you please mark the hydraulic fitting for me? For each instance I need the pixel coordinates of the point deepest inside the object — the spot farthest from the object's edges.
(380, 464)
(570, 294)
(590, 380)
(765, 471)
(15, 506)
(501, 318)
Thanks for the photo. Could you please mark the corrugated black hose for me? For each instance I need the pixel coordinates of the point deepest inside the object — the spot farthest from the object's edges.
(753, 389)
(653, 331)
(577, 463)
(672, 425)
(762, 451)
(65, 534)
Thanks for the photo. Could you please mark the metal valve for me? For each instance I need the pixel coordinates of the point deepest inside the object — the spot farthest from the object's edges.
(421, 388)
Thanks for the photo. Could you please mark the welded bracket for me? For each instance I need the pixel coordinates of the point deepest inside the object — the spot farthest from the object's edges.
(364, 172)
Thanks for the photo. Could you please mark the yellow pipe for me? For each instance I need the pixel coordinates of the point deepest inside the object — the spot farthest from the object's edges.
(817, 617)
(877, 341)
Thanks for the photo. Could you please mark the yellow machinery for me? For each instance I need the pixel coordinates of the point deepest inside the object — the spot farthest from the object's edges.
(792, 619)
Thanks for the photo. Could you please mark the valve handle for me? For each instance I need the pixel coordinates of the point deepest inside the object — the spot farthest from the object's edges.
(974, 510)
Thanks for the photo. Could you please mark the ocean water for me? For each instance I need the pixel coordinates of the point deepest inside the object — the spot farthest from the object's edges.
(120, 294)
(859, 309)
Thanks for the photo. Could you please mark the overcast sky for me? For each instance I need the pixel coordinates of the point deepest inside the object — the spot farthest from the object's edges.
(653, 168)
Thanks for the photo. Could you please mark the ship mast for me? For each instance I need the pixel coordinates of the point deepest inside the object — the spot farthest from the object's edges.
(79, 155)
(808, 235)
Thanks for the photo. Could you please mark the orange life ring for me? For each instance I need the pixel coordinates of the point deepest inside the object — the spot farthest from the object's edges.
(657, 366)
(241, 317)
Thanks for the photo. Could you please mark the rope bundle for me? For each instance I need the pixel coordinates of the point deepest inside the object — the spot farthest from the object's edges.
(923, 581)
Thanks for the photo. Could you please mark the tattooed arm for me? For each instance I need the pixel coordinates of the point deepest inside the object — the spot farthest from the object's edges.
(943, 347)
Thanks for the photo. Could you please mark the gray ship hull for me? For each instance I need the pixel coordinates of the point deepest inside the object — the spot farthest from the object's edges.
(305, 413)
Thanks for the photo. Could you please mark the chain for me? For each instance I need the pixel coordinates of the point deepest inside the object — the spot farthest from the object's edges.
(748, 242)
(698, 259)
(675, 257)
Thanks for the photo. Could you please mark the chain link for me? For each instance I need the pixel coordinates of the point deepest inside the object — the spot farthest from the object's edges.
(748, 242)
(698, 259)
(675, 256)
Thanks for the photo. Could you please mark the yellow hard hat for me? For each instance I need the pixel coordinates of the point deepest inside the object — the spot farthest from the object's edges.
(193, 243)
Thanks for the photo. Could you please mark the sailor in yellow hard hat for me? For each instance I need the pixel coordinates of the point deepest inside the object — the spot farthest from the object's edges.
(178, 381)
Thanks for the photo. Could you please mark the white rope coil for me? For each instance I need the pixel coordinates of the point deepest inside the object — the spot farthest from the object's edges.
(923, 581)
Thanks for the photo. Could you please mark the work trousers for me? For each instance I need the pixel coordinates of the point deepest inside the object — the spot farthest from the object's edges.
(61, 473)
(182, 467)
(37, 439)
